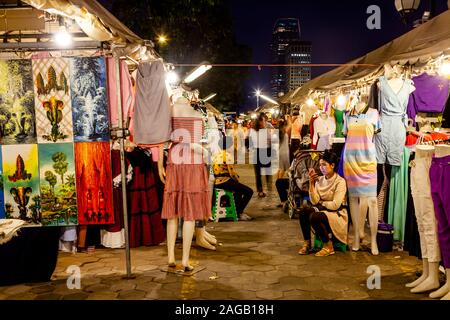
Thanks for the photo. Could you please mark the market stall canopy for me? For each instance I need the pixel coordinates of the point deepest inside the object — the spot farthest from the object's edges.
(430, 40)
(96, 21)
(212, 109)
(267, 107)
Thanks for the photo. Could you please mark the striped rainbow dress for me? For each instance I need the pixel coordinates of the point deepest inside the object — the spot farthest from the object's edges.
(360, 161)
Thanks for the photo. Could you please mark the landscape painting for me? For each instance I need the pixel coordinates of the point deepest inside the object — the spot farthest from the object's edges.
(94, 183)
(2, 202)
(17, 115)
(21, 183)
(52, 100)
(89, 99)
(58, 187)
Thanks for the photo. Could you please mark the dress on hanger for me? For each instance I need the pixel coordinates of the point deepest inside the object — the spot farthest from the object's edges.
(360, 163)
(339, 117)
(152, 122)
(390, 142)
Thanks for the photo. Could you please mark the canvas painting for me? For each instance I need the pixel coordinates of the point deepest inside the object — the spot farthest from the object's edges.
(89, 99)
(94, 183)
(21, 183)
(17, 115)
(58, 187)
(2, 202)
(52, 100)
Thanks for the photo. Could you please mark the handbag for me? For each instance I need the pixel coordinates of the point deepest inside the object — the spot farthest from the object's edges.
(385, 237)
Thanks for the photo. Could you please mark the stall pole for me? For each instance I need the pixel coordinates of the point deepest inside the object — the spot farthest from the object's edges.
(122, 136)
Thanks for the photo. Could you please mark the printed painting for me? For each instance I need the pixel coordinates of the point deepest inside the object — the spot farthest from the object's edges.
(52, 100)
(21, 183)
(17, 116)
(2, 202)
(94, 183)
(89, 99)
(58, 187)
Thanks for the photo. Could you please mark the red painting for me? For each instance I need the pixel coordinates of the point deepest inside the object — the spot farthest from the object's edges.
(94, 183)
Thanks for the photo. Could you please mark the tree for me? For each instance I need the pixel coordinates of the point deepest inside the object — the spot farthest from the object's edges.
(198, 31)
(51, 179)
(60, 164)
(71, 180)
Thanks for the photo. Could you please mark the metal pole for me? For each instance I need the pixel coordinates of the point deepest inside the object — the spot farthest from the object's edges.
(257, 101)
(121, 136)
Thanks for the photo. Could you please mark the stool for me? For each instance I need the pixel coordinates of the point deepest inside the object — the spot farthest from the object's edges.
(224, 206)
(337, 245)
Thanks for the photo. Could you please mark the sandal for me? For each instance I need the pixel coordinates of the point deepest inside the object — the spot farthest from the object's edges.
(325, 252)
(306, 249)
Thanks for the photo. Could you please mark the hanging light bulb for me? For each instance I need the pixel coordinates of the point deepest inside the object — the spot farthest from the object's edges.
(444, 70)
(63, 39)
(172, 77)
(310, 102)
(341, 100)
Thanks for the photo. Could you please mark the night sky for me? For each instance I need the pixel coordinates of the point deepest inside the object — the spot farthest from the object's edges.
(337, 30)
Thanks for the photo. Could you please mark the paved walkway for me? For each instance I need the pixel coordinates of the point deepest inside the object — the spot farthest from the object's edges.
(256, 260)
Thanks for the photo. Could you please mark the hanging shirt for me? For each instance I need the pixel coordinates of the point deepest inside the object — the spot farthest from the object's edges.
(430, 95)
(323, 127)
(297, 128)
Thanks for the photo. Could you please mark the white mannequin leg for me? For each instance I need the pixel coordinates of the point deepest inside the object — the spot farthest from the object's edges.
(431, 282)
(363, 208)
(443, 291)
(172, 229)
(373, 220)
(201, 240)
(354, 209)
(422, 277)
(188, 233)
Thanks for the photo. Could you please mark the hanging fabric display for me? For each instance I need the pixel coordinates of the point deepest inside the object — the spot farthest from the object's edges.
(52, 99)
(58, 188)
(21, 183)
(17, 115)
(89, 99)
(2, 202)
(94, 183)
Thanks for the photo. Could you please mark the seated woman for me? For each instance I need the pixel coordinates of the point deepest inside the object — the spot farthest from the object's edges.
(228, 179)
(327, 217)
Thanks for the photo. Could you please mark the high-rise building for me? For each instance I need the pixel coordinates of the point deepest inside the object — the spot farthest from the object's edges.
(287, 49)
(298, 52)
(285, 31)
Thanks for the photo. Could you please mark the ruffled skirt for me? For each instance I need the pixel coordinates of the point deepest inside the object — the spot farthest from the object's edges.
(186, 193)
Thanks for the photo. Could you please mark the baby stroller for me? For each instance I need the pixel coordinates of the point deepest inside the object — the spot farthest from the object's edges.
(298, 195)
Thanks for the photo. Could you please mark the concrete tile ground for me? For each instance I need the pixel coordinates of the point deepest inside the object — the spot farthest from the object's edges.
(255, 260)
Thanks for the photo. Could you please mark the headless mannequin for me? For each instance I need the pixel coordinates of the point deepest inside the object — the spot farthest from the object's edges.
(180, 109)
(358, 208)
(429, 280)
(444, 291)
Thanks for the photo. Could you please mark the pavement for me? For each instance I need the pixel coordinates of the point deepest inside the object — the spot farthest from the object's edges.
(255, 260)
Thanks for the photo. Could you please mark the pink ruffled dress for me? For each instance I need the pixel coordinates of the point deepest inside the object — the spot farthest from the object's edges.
(186, 193)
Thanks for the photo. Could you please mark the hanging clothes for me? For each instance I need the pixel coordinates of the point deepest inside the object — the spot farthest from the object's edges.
(374, 102)
(446, 115)
(412, 237)
(430, 95)
(440, 184)
(360, 165)
(152, 120)
(126, 91)
(324, 128)
(398, 196)
(339, 118)
(144, 210)
(311, 131)
(390, 142)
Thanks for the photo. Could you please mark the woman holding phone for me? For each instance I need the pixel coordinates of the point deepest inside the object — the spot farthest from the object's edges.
(327, 217)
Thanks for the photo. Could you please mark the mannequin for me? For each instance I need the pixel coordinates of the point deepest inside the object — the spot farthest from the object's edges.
(185, 161)
(442, 152)
(394, 97)
(426, 220)
(324, 128)
(360, 171)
